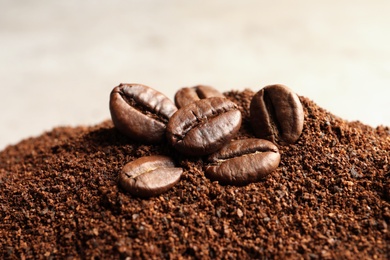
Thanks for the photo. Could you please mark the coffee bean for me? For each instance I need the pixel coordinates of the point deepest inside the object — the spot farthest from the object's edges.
(276, 114)
(149, 176)
(140, 112)
(244, 161)
(204, 126)
(187, 96)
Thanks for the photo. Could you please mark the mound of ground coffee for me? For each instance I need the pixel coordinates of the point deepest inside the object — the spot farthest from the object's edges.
(329, 198)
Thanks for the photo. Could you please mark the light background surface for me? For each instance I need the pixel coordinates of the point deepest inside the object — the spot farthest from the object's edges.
(59, 60)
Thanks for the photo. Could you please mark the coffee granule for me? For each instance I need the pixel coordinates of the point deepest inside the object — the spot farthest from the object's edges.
(328, 199)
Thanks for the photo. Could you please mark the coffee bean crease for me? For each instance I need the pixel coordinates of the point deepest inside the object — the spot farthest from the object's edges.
(147, 101)
(204, 126)
(186, 96)
(243, 161)
(149, 176)
(140, 112)
(276, 114)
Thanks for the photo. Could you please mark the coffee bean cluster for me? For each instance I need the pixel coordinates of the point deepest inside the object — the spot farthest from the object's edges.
(202, 122)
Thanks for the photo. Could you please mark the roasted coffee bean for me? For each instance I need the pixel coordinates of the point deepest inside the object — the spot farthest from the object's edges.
(187, 96)
(276, 114)
(244, 161)
(204, 126)
(149, 176)
(140, 112)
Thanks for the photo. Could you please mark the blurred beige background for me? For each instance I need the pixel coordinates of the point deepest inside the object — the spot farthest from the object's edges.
(59, 60)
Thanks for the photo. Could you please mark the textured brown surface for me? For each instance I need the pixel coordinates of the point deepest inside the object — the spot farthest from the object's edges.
(329, 198)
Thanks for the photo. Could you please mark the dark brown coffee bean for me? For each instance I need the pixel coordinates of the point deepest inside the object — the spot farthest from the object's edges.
(244, 161)
(149, 176)
(276, 114)
(140, 112)
(186, 96)
(204, 126)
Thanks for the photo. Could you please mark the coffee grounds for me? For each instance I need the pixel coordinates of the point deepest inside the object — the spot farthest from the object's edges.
(328, 199)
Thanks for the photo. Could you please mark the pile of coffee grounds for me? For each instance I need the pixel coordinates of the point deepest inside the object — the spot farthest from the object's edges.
(328, 199)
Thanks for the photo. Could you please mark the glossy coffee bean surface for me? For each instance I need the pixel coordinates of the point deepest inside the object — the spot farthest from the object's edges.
(149, 176)
(140, 112)
(204, 126)
(186, 96)
(244, 161)
(276, 114)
